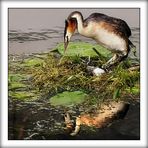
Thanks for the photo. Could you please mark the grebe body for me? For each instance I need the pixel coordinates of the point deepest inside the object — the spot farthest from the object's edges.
(110, 32)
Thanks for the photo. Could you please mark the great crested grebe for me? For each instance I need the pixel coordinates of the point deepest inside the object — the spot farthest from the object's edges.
(112, 33)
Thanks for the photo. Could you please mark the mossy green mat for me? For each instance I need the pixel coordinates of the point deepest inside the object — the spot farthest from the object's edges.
(68, 98)
(82, 49)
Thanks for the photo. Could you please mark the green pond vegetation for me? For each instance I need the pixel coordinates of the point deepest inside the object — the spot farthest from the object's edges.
(68, 98)
(64, 79)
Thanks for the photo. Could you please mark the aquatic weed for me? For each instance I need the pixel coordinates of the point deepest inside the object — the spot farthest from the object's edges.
(70, 74)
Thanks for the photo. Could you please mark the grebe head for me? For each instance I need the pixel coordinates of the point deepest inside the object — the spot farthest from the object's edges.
(70, 27)
(75, 14)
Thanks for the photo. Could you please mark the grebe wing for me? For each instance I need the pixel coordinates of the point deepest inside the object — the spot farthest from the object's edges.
(118, 24)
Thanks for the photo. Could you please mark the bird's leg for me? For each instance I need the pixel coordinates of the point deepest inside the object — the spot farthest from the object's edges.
(69, 125)
(68, 122)
(88, 60)
(77, 127)
(110, 62)
(114, 60)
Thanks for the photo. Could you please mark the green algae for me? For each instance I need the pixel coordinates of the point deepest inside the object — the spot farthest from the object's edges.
(19, 84)
(15, 77)
(21, 94)
(32, 62)
(68, 98)
(16, 85)
(82, 49)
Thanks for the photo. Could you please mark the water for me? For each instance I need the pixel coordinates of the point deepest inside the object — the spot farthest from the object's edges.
(35, 117)
(40, 121)
(28, 42)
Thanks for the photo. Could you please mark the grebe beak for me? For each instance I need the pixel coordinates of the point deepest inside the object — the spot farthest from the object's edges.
(70, 26)
(66, 42)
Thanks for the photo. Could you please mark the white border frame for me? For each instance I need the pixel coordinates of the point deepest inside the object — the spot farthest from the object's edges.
(4, 73)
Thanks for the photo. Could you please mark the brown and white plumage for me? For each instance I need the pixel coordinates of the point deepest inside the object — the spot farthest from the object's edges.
(110, 32)
(105, 114)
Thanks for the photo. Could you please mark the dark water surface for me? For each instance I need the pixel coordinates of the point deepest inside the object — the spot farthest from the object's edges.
(41, 121)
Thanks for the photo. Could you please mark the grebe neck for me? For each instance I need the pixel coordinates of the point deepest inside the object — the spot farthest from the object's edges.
(79, 18)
